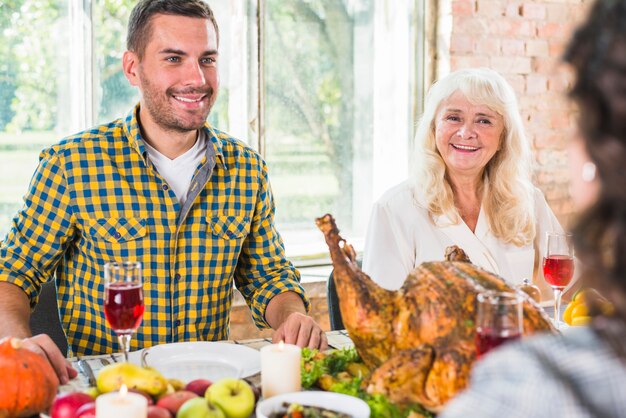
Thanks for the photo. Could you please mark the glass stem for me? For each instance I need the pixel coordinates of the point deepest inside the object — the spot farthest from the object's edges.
(557, 306)
(125, 344)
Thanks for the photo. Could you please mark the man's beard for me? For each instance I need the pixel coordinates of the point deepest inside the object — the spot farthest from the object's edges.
(158, 106)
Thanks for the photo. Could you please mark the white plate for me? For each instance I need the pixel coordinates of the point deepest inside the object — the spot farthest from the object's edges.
(200, 360)
(338, 402)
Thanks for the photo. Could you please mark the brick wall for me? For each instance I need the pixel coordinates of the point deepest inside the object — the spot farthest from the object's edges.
(524, 40)
(242, 327)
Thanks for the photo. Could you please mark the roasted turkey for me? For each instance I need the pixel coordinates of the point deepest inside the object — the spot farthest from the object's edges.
(419, 340)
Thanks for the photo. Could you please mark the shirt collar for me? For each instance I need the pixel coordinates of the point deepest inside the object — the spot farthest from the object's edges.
(132, 130)
(216, 142)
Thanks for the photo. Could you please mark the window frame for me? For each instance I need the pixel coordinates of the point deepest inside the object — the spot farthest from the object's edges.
(83, 96)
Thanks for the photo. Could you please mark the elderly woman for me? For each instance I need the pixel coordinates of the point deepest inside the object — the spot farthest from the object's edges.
(583, 372)
(471, 187)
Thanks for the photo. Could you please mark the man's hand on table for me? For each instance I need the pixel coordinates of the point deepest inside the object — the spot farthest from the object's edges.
(286, 314)
(43, 345)
(301, 330)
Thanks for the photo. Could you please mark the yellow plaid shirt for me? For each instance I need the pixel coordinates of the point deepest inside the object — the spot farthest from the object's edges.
(96, 198)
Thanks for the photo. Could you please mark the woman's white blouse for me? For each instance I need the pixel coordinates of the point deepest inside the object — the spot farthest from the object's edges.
(401, 235)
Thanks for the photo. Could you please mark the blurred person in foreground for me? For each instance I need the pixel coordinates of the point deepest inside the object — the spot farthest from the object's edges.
(470, 187)
(162, 187)
(581, 373)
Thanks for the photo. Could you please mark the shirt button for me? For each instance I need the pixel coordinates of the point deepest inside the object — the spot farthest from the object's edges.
(177, 323)
(177, 277)
(166, 187)
(117, 235)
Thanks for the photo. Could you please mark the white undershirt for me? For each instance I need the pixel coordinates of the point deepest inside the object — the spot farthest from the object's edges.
(179, 171)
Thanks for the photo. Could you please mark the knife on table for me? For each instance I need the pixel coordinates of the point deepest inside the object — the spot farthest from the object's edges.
(85, 369)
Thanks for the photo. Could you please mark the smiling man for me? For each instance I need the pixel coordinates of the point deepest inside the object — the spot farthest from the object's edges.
(162, 187)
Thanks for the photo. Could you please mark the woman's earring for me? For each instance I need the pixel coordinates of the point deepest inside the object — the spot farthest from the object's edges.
(588, 172)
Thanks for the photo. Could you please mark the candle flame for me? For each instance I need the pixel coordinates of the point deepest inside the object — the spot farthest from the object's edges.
(123, 390)
(281, 345)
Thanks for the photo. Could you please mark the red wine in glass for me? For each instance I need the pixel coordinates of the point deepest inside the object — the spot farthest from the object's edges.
(123, 306)
(558, 267)
(123, 300)
(558, 270)
(498, 319)
(487, 339)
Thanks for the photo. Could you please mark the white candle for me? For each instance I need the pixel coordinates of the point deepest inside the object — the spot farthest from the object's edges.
(122, 404)
(280, 369)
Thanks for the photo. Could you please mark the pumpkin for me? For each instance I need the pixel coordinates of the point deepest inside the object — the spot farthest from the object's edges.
(28, 383)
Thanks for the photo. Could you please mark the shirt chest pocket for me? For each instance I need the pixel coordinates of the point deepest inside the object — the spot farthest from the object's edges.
(229, 227)
(117, 230)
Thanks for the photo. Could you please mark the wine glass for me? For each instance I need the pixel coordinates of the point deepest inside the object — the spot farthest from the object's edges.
(498, 319)
(123, 300)
(558, 267)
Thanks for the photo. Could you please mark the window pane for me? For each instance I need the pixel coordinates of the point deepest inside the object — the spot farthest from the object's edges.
(341, 79)
(114, 96)
(318, 67)
(33, 69)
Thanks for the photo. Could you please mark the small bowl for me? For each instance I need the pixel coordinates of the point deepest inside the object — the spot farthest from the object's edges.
(337, 402)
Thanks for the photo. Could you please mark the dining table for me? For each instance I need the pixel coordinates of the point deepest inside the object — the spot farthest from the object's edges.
(86, 365)
(90, 365)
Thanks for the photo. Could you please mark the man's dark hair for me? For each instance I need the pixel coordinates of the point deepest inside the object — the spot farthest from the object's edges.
(139, 23)
(597, 53)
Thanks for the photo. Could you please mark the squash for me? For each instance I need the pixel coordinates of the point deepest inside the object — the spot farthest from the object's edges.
(28, 383)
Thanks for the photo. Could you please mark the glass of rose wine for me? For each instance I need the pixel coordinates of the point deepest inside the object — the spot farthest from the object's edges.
(558, 267)
(123, 300)
(498, 319)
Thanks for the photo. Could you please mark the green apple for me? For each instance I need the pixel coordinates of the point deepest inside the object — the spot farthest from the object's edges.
(199, 408)
(234, 396)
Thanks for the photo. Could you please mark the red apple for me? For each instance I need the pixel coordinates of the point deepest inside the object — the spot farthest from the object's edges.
(198, 386)
(173, 401)
(88, 410)
(66, 405)
(155, 411)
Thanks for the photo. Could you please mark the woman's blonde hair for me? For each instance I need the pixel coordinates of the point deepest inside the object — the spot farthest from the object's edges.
(508, 193)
